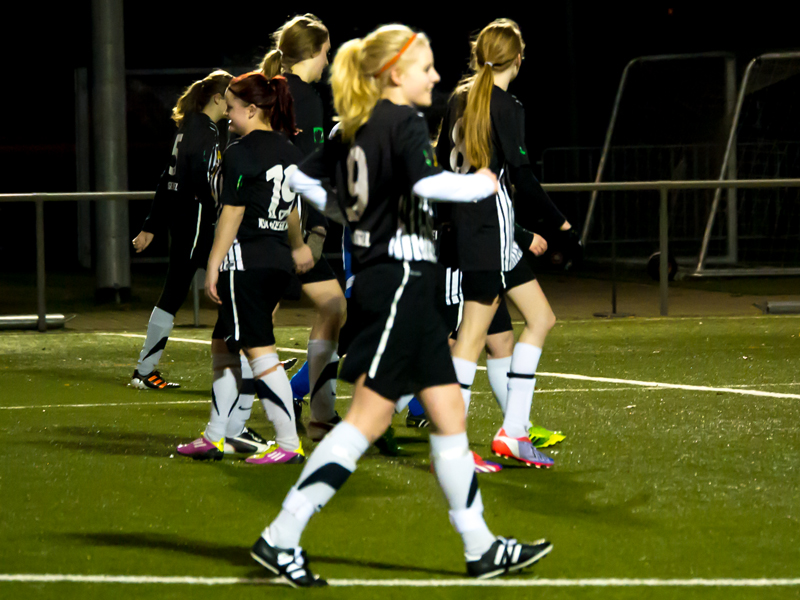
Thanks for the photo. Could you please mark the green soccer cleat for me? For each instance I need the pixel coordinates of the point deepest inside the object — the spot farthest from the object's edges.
(542, 438)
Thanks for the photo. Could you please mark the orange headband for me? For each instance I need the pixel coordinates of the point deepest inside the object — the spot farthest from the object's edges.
(396, 57)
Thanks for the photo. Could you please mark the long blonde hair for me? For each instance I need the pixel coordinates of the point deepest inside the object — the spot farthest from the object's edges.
(196, 96)
(358, 73)
(296, 40)
(494, 50)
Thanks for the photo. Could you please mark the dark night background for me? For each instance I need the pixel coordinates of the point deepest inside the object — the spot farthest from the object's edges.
(575, 54)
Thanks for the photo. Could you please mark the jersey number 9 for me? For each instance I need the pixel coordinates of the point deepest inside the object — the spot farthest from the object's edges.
(357, 182)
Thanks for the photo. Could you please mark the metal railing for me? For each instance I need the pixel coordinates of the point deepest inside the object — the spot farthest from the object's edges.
(663, 187)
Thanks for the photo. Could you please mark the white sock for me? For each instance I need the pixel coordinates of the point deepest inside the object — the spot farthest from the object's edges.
(455, 470)
(326, 470)
(224, 394)
(404, 401)
(323, 367)
(521, 383)
(465, 373)
(158, 330)
(276, 396)
(247, 395)
(497, 369)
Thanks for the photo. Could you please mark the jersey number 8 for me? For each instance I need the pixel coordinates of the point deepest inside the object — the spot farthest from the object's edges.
(459, 163)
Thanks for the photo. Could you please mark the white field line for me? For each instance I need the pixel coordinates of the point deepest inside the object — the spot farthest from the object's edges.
(208, 581)
(193, 341)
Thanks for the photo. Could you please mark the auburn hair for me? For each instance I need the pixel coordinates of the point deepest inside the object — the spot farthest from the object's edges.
(272, 96)
(493, 50)
(358, 76)
(196, 96)
(296, 40)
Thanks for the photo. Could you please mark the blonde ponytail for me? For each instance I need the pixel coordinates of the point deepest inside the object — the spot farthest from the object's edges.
(296, 40)
(358, 73)
(494, 50)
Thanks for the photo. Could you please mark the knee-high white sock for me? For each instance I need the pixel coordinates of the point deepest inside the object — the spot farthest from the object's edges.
(247, 395)
(276, 395)
(521, 382)
(224, 394)
(465, 373)
(326, 470)
(455, 470)
(158, 330)
(323, 367)
(497, 369)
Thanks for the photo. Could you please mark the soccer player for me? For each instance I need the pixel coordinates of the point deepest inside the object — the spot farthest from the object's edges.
(300, 54)
(185, 206)
(382, 165)
(257, 240)
(484, 127)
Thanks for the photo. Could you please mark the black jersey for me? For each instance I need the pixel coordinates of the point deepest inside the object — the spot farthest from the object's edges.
(309, 118)
(255, 171)
(374, 176)
(184, 202)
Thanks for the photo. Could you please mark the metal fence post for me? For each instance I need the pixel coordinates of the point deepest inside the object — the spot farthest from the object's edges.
(41, 324)
(663, 238)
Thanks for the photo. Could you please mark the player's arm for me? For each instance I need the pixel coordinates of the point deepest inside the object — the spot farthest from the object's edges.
(301, 253)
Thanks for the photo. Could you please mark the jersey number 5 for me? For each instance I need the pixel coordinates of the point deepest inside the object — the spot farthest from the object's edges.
(174, 167)
(280, 187)
(357, 182)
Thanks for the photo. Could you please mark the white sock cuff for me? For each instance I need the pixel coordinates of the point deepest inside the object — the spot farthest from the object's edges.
(247, 372)
(161, 317)
(220, 362)
(322, 346)
(499, 363)
(521, 383)
(525, 358)
(404, 401)
(465, 370)
(299, 506)
(468, 519)
(449, 447)
(353, 443)
(259, 364)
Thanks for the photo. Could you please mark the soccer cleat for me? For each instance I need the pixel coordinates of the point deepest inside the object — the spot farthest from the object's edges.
(485, 466)
(247, 442)
(288, 364)
(203, 449)
(505, 556)
(387, 445)
(153, 381)
(316, 430)
(417, 421)
(291, 564)
(275, 455)
(542, 438)
(521, 449)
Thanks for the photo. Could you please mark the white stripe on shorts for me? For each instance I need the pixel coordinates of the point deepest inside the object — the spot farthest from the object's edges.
(235, 312)
(373, 368)
(197, 231)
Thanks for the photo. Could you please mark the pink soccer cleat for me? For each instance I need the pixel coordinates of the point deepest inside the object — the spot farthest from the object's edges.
(276, 455)
(203, 449)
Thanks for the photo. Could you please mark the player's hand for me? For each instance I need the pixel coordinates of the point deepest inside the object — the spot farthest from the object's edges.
(212, 276)
(538, 245)
(142, 241)
(303, 259)
(488, 173)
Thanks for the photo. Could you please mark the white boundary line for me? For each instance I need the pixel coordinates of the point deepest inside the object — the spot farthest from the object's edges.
(193, 341)
(209, 581)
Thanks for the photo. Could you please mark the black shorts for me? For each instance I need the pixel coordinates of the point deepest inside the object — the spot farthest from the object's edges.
(321, 271)
(485, 286)
(248, 300)
(400, 341)
(186, 256)
(501, 322)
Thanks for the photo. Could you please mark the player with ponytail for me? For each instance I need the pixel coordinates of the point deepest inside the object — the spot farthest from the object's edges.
(185, 207)
(485, 127)
(300, 54)
(382, 167)
(250, 265)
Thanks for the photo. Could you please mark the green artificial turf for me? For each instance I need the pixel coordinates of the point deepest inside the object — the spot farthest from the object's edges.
(649, 483)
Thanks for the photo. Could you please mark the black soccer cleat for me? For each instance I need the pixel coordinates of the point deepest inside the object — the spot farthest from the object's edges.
(289, 363)
(291, 564)
(505, 556)
(152, 381)
(247, 442)
(417, 421)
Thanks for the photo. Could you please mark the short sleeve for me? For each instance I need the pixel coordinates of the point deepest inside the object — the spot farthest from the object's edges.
(414, 149)
(233, 163)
